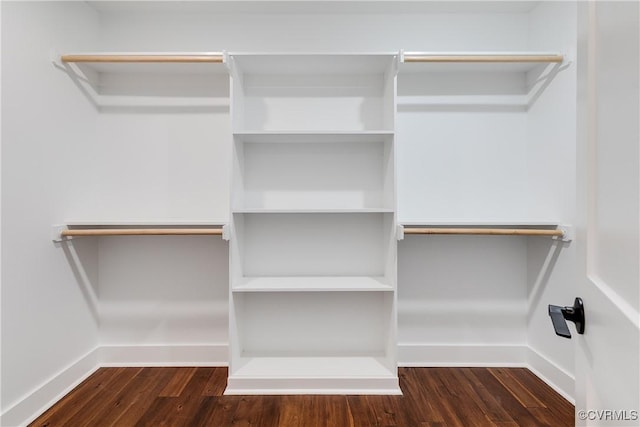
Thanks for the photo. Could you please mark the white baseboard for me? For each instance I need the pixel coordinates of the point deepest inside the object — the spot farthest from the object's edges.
(426, 355)
(556, 377)
(164, 355)
(42, 398)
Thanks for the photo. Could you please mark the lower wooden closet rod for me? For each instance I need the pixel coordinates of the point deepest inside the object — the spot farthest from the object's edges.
(142, 232)
(487, 231)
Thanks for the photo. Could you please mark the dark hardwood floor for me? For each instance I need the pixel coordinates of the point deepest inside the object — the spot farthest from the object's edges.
(193, 397)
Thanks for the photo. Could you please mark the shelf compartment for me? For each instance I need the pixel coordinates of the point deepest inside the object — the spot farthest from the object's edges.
(321, 172)
(313, 92)
(313, 244)
(303, 342)
(312, 284)
(313, 324)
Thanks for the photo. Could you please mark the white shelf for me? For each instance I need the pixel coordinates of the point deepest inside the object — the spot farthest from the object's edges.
(312, 210)
(328, 136)
(313, 375)
(311, 284)
(312, 63)
(304, 367)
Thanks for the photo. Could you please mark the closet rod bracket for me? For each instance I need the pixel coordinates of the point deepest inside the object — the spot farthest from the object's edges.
(400, 232)
(568, 232)
(56, 234)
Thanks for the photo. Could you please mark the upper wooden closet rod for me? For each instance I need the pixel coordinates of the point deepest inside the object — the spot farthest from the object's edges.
(141, 232)
(427, 57)
(487, 231)
(178, 58)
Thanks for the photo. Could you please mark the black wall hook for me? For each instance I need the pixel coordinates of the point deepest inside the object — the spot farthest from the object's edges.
(560, 315)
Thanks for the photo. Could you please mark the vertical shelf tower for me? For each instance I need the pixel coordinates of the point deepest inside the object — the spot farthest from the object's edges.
(313, 224)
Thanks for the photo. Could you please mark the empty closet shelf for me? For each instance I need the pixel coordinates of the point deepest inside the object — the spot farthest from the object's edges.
(312, 284)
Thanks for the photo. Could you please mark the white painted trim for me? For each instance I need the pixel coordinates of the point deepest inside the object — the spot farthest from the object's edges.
(616, 299)
(164, 355)
(344, 386)
(44, 396)
(553, 375)
(427, 355)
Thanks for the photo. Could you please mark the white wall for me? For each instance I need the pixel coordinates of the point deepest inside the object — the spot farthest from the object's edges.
(322, 31)
(551, 160)
(48, 322)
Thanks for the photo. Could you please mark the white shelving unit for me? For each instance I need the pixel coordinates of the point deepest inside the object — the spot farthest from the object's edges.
(313, 244)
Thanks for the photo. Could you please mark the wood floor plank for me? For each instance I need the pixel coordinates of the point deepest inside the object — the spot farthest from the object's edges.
(465, 407)
(143, 399)
(256, 411)
(117, 404)
(433, 397)
(518, 390)
(74, 402)
(420, 408)
(337, 411)
(361, 412)
(508, 401)
(441, 398)
(90, 414)
(217, 382)
(295, 410)
(178, 382)
(561, 408)
(215, 411)
(481, 396)
(390, 410)
(178, 410)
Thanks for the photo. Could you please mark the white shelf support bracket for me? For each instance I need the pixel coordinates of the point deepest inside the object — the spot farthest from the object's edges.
(226, 60)
(226, 232)
(568, 232)
(55, 56)
(400, 232)
(56, 234)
